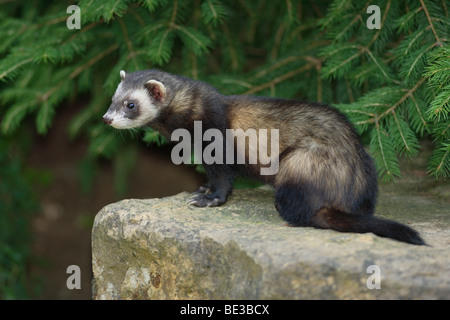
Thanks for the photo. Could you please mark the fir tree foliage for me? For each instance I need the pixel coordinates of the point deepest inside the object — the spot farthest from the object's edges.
(402, 71)
(393, 83)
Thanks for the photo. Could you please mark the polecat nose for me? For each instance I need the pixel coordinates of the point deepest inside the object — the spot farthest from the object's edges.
(107, 120)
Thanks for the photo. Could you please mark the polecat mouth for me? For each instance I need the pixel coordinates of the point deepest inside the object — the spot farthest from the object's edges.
(107, 120)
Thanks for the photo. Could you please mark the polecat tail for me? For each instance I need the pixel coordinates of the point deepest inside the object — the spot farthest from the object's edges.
(328, 218)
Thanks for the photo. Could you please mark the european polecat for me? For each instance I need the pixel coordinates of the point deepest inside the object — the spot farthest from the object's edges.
(325, 178)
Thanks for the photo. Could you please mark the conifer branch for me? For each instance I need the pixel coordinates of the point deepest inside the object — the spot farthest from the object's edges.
(174, 14)
(438, 41)
(370, 114)
(83, 30)
(418, 111)
(357, 18)
(78, 70)
(14, 67)
(403, 98)
(50, 22)
(444, 161)
(13, 115)
(444, 158)
(377, 34)
(381, 148)
(349, 59)
(231, 48)
(413, 65)
(376, 62)
(277, 65)
(319, 82)
(435, 112)
(113, 9)
(442, 133)
(413, 41)
(213, 10)
(362, 73)
(349, 91)
(132, 54)
(392, 107)
(280, 79)
(277, 41)
(244, 84)
(405, 143)
(100, 148)
(445, 7)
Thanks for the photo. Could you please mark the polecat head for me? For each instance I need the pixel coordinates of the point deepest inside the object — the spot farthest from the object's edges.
(137, 101)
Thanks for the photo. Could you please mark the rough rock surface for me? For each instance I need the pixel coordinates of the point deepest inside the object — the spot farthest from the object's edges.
(166, 249)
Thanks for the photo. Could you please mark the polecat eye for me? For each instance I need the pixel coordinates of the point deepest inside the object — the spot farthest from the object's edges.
(130, 105)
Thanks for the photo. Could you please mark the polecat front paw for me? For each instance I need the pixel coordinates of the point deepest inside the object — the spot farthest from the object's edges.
(206, 200)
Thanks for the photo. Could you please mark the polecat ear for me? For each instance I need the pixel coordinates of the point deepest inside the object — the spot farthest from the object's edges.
(156, 89)
(123, 74)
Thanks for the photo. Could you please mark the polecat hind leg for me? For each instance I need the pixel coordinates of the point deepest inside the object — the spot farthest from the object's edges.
(293, 206)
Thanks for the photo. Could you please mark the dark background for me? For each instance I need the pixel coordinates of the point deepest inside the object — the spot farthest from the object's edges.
(61, 230)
